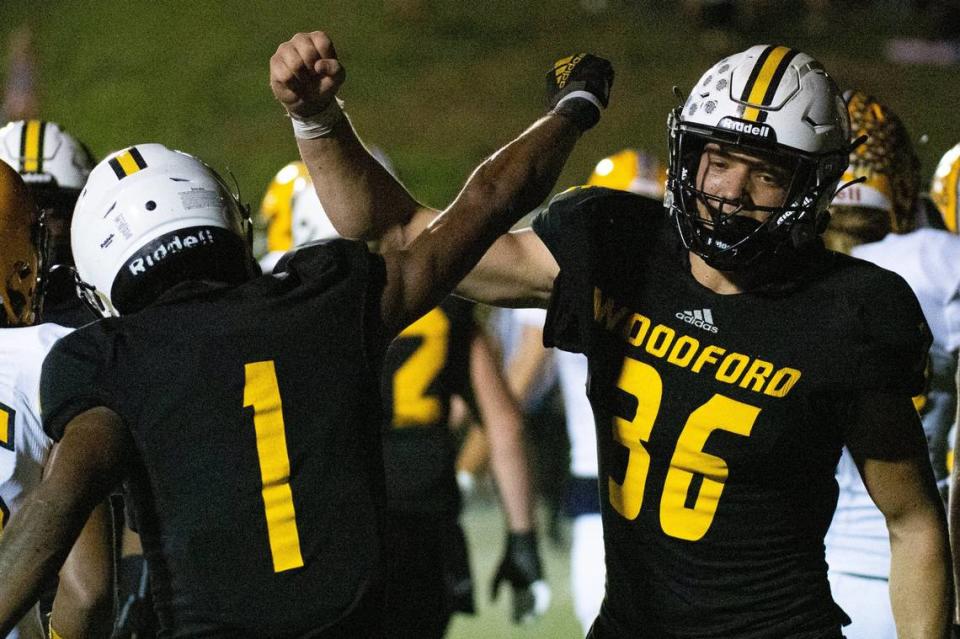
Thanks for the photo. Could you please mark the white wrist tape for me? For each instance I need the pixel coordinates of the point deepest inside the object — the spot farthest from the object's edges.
(319, 125)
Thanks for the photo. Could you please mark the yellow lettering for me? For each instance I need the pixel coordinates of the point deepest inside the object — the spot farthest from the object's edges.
(636, 329)
(708, 355)
(683, 359)
(756, 375)
(659, 350)
(781, 382)
(731, 367)
(604, 310)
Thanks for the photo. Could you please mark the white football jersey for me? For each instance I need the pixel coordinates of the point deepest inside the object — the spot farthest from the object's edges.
(24, 447)
(929, 260)
(572, 371)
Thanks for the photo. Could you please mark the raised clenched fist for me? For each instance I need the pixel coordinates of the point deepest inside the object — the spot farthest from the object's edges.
(305, 74)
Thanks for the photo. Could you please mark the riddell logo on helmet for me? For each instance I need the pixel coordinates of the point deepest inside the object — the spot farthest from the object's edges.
(747, 128)
(173, 245)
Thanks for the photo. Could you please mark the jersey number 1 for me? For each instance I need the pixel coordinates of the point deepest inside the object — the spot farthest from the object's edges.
(677, 518)
(262, 393)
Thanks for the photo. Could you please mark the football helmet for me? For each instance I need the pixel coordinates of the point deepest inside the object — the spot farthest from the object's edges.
(945, 188)
(276, 210)
(55, 166)
(53, 163)
(885, 166)
(774, 102)
(631, 170)
(20, 252)
(150, 218)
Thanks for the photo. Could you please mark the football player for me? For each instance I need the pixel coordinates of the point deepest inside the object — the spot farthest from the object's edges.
(731, 357)
(55, 166)
(873, 219)
(945, 186)
(83, 605)
(244, 411)
(442, 355)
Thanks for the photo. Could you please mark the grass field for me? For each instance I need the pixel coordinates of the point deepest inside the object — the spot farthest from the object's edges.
(437, 84)
(483, 523)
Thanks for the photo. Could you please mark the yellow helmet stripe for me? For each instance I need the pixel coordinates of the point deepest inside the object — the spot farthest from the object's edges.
(951, 186)
(31, 147)
(764, 79)
(127, 163)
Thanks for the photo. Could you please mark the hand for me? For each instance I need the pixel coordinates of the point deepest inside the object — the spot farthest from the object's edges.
(578, 87)
(305, 74)
(521, 568)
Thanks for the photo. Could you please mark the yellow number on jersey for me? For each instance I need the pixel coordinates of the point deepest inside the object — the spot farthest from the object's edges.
(689, 459)
(627, 498)
(644, 384)
(412, 406)
(7, 424)
(262, 393)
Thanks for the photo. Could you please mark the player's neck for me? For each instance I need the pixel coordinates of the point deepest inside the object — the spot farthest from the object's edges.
(720, 282)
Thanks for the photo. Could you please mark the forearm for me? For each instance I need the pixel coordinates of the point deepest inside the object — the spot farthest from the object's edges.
(32, 548)
(503, 423)
(499, 192)
(920, 582)
(511, 470)
(361, 198)
(84, 603)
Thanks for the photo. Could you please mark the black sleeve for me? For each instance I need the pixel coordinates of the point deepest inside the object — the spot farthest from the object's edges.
(895, 338)
(566, 228)
(76, 377)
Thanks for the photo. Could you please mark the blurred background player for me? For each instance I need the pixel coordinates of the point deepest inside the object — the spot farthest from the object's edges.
(444, 354)
(531, 367)
(84, 602)
(875, 220)
(55, 165)
(944, 187)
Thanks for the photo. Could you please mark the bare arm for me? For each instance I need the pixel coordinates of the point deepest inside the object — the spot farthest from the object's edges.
(504, 187)
(526, 365)
(83, 469)
(503, 423)
(364, 201)
(887, 441)
(83, 606)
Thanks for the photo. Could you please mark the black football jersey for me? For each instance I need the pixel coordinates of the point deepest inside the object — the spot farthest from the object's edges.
(718, 418)
(258, 489)
(424, 366)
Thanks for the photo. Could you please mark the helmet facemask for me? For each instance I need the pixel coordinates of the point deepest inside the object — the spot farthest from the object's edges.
(716, 228)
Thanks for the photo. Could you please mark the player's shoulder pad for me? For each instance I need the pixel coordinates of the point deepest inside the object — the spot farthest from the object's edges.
(74, 375)
(886, 309)
(337, 258)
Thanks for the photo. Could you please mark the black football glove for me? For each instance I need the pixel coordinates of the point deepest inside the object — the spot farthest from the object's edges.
(520, 567)
(578, 87)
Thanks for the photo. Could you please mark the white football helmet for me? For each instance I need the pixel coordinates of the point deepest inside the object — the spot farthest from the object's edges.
(149, 218)
(49, 159)
(771, 101)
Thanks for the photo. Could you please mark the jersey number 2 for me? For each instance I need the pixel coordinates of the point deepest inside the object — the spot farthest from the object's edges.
(677, 519)
(262, 393)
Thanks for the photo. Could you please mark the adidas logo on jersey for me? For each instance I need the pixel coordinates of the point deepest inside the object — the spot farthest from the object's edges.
(701, 318)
